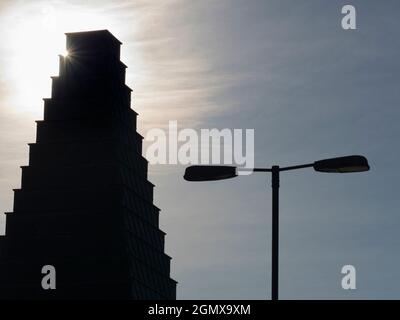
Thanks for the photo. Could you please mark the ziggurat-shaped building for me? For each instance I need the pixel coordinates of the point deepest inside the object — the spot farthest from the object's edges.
(85, 205)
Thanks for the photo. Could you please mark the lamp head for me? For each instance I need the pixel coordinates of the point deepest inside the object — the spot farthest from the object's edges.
(209, 173)
(342, 164)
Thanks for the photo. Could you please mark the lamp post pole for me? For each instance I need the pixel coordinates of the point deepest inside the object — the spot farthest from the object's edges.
(275, 233)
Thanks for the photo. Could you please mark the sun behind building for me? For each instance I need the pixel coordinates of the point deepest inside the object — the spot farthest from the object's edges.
(85, 206)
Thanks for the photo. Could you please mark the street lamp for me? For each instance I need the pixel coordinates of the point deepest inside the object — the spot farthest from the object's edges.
(336, 165)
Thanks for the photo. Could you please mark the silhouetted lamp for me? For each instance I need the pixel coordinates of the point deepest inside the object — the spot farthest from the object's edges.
(342, 164)
(209, 173)
(336, 165)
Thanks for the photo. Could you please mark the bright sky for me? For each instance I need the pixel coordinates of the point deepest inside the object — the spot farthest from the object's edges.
(284, 68)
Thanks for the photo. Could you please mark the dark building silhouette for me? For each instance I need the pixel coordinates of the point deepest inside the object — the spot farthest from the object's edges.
(85, 205)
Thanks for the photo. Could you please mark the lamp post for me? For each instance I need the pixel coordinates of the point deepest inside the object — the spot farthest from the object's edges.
(334, 165)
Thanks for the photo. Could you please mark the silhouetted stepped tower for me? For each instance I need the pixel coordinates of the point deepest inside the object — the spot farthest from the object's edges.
(85, 205)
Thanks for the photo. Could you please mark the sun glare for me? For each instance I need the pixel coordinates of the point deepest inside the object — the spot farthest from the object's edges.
(33, 45)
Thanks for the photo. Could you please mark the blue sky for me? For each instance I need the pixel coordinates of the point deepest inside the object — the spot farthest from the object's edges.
(287, 69)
